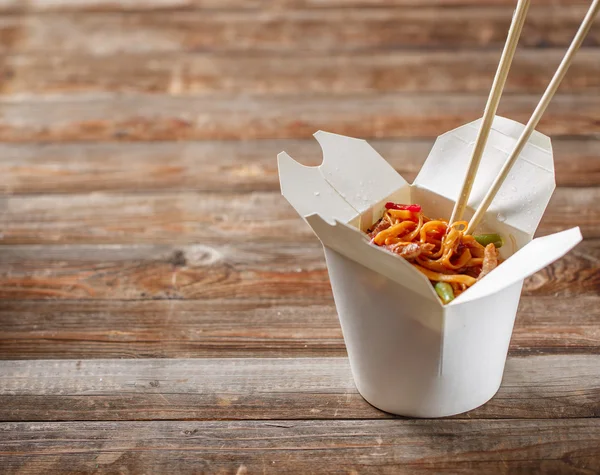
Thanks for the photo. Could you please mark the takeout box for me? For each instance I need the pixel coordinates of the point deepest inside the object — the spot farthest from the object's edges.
(410, 354)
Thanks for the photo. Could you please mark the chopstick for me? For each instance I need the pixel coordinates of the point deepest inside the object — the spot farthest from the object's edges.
(537, 115)
(491, 107)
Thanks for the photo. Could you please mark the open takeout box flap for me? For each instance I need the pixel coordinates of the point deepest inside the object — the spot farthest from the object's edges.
(356, 170)
(523, 197)
(308, 192)
(352, 243)
(352, 179)
(530, 259)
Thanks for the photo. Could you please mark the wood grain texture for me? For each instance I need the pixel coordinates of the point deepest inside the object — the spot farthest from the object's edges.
(545, 387)
(209, 218)
(246, 328)
(245, 270)
(40, 6)
(329, 447)
(159, 117)
(140, 217)
(353, 29)
(214, 166)
(174, 328)
(310, 73)
(259, 270)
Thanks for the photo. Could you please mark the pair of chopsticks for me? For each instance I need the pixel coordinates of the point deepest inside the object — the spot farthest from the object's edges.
(492, 105)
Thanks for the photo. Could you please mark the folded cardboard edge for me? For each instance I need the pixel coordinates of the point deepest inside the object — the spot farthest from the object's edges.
(353, 244)
(530, 259)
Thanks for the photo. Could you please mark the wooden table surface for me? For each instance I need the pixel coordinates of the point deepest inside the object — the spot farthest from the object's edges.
(164, 310)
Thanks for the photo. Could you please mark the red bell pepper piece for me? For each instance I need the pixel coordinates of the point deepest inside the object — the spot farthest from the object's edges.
(411, 208)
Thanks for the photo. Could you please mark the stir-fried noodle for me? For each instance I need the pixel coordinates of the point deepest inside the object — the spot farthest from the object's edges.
(443, 253)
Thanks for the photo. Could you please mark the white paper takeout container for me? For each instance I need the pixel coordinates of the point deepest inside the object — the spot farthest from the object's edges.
(409, 354)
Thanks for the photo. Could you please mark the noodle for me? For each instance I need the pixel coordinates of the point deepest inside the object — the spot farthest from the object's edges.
(443, 253)
(437, 277)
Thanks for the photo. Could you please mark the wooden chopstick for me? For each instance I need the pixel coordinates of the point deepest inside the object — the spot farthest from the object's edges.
(490, 108)
(537, 114)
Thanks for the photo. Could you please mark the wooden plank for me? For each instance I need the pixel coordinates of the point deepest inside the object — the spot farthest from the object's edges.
(332, 447)
(220, 166)
(170, 329)
(159, 117)
(229, 166)
(208, 218)
(261, 270)
(267, 270)
(536, 387)
(246, 328)
(168, 218)
(341, 447)
(551, 324)
(352, 29)
(38, 6)
(275, 73)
